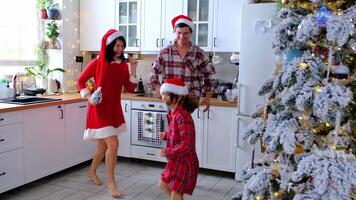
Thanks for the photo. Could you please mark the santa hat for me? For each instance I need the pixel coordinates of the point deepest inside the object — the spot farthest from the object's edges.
(108, 37)
(175, 86)
(182, 19)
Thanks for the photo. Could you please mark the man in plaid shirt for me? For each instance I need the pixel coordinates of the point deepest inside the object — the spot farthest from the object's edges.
(184, 60)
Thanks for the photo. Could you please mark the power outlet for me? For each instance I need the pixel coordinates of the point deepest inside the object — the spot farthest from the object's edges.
(79, 59)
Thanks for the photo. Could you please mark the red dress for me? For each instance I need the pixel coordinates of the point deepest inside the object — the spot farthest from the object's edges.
(109, 112)
(182, 168)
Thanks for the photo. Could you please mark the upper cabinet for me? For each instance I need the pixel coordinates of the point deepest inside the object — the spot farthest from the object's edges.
(156, 29)
(95, 19)
(127, 21)
(216, 24)
(146, 24)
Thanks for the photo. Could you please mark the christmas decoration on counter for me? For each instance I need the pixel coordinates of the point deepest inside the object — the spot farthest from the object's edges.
(307, 125)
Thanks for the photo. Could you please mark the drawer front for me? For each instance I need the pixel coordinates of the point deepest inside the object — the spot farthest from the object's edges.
(11, 170)
(11, 137)
(11, 118)
(146, 153)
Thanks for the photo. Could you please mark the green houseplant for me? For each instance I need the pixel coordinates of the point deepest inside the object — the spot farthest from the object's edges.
(52, 10)
(41, 72)
(52, 32)
(41, 5)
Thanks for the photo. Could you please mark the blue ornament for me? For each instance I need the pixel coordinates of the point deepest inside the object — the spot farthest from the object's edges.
(322, 16)
(291, 54)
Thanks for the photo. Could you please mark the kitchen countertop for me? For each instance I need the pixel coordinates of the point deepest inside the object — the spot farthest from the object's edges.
(75, 97)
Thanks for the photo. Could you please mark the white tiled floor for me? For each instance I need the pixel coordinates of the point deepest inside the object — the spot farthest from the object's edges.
(136, 180)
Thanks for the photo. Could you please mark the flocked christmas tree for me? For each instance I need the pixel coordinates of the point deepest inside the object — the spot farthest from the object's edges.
(308, 124)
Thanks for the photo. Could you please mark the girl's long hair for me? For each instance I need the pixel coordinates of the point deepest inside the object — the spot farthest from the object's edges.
(188, 102)
(109, 55)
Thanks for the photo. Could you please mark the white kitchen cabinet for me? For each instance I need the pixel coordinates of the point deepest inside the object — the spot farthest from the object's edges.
(125, 137)
(76, 149)
(216, 24)
(128, 21)
(156, 29)
(43, 141)
(11, 150)
(216, 138)
(95, 19)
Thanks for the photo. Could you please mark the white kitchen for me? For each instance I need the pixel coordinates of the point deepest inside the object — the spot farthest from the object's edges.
(48, 43)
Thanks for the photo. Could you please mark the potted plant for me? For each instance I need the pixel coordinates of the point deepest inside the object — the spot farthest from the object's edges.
(41, 5)
(41, 72)
(52, 33)
(52, 10)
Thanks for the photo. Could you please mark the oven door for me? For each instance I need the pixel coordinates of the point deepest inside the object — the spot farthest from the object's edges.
(147, 126)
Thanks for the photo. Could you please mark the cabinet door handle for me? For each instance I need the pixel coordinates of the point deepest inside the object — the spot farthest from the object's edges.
(126, 107)
(2, 173)
(1, 140)
(2, 119)
(157, 40)
(82, 106)
(198, 114)
(62, 112)
(162, 42)
(214, 42)
(208, 114)
(137, 43)
(150, 154)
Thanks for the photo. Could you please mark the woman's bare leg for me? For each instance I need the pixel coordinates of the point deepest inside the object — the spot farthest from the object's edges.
(176, 196)
(164, 187)
(110, 161)
(98, 156)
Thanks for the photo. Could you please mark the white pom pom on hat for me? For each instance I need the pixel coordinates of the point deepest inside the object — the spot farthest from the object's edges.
(175, 86)
(182, 19)
(112, 37)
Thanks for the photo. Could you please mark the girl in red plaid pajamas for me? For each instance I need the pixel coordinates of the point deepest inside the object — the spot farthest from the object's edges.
(180, 174)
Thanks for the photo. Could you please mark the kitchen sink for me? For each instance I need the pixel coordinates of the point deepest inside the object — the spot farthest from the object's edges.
(25, 100)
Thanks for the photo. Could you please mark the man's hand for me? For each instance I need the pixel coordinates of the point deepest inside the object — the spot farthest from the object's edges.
(132, 65)
(162, 136)
(157, 89)
(163, 152)
(205, 101)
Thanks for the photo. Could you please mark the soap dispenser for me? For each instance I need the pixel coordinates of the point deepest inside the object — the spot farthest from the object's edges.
(140, 88)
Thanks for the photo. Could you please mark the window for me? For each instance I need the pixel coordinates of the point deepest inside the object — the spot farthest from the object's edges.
(18, 35)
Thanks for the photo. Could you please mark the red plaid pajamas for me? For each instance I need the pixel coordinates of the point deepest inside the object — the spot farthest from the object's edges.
(194, 69)
(182, 168)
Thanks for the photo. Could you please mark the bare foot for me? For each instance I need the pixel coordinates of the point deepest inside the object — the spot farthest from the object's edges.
(96, 180)
(113, 190)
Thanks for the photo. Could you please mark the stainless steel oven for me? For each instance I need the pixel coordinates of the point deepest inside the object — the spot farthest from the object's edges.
(148, 120)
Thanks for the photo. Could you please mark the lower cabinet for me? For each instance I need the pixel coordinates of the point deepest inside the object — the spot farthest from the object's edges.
(43, 141)
(11, 150)
(215, 138)
(125, 137)
(76, 149)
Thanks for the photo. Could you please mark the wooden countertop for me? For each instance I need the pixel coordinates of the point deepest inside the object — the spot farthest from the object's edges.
(74, 98)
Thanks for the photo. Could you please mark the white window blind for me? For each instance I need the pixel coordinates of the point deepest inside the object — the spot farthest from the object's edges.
(18, 33)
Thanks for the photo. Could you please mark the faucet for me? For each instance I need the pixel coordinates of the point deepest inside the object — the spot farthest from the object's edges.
(14, 86)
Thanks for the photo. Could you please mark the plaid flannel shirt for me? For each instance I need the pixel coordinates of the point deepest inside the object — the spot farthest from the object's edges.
(193, 68)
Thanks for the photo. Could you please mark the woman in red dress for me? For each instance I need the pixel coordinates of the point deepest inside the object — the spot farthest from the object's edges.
(105, 119)
(180, 174)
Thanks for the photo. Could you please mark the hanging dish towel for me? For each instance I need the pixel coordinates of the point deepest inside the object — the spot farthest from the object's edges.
(149, 125)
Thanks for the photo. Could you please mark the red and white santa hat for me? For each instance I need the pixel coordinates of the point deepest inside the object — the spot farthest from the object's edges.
(175, 86)
(182, 19)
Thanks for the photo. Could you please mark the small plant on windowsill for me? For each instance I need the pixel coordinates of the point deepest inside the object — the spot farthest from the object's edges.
(41, 72)
(52, 33)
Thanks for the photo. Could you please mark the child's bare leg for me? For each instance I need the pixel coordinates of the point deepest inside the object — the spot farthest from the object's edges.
(110, 162)
(97, 158)
(164, 187)
(176, 196)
